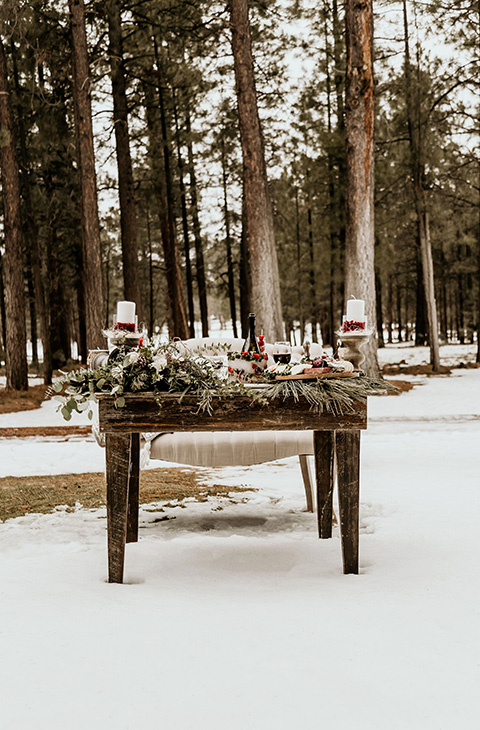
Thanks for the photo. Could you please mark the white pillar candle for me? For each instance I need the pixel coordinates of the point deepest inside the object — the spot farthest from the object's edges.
(355, 310)
(126, 312)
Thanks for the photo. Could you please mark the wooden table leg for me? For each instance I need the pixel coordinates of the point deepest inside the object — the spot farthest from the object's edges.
(133, 489)
(118, 456)
(348, 465)
(324, 451)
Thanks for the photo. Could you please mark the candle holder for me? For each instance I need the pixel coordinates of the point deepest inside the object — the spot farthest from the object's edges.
(350, 344)
(117, 338)
(97, 359)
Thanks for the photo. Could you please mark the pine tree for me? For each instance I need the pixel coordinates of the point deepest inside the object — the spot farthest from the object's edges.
(128, 217)
(415, 134)
(91, 253)
(359, 123)
(265, 294)
(13, 283)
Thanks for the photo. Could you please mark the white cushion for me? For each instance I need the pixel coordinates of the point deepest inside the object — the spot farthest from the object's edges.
(227, 448)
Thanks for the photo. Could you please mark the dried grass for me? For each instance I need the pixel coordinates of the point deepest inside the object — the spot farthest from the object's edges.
(25, 495)
(21, 400)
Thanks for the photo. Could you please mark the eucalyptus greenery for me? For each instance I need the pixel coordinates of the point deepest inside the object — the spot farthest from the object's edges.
(147, 369)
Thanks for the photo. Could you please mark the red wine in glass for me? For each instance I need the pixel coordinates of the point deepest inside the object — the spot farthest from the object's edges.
(282, 357)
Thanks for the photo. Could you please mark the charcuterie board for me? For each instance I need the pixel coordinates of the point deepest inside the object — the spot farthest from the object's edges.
(317, 375)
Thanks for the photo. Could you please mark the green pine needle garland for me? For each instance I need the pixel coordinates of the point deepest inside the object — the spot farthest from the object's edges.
(333, 395)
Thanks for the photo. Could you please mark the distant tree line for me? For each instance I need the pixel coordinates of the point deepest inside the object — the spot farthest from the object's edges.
(159, 151)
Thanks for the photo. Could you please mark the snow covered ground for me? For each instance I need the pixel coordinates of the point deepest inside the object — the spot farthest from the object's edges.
(234, 615)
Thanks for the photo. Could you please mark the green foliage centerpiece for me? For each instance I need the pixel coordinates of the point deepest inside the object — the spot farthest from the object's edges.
(172, 368)
(153, 369)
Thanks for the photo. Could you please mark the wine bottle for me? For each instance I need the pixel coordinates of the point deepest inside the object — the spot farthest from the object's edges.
(251, 343)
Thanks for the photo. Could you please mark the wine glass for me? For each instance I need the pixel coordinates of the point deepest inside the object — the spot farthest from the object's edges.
(282, 352)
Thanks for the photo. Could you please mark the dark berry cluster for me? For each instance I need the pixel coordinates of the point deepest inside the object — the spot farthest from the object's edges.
(351, 326)
(124, 327)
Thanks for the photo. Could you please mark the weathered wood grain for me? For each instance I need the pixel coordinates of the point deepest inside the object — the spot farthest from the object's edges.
(348, 465)
(324, 450)
(118, 458)
(133, 488)
(143, 413)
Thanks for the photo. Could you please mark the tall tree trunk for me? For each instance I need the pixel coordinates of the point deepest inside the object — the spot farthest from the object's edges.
(298, 241)
(106, 272)
(399, 309)
(228, 243)
(258, 209)
(31, 237)
(245, 284)
(340, 147)
(151, 295)
(186, 235)
(420, 320)
(420, 198)
(82, 319)
(91, 251)
(359, 125)
(378, 294)
(15, 328)
(2, 307)
(443, 310)
(30, 231)
(460, 310)
(126, 188)
(199, 260)
(338, 77)
(59, 329)
(311, 272)
(159, 154)
(390, 310)
(478, 283)
(329, 335)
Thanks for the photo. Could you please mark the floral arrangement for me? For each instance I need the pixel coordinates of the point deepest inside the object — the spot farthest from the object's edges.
(159, 369)
(156, 369)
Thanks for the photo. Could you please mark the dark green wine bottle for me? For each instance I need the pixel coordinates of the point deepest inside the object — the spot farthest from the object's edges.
(251, 343)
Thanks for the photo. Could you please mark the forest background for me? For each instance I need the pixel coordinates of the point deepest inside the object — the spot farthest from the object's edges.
(169, 226)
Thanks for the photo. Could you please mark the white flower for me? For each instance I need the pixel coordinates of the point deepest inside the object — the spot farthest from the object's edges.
(133, 357)
(159, 363)
(117, 372)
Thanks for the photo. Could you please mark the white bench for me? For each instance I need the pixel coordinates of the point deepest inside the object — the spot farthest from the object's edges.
(228, 448)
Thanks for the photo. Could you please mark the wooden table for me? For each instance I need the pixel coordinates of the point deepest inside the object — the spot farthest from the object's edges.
(336, 441)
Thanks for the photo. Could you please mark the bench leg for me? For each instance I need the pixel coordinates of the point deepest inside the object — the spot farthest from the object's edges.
(118, 458)
(324, 450)
(307, 482)
(348, 456)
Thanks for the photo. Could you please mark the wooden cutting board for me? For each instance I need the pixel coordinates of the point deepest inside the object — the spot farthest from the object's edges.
(316, 375)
